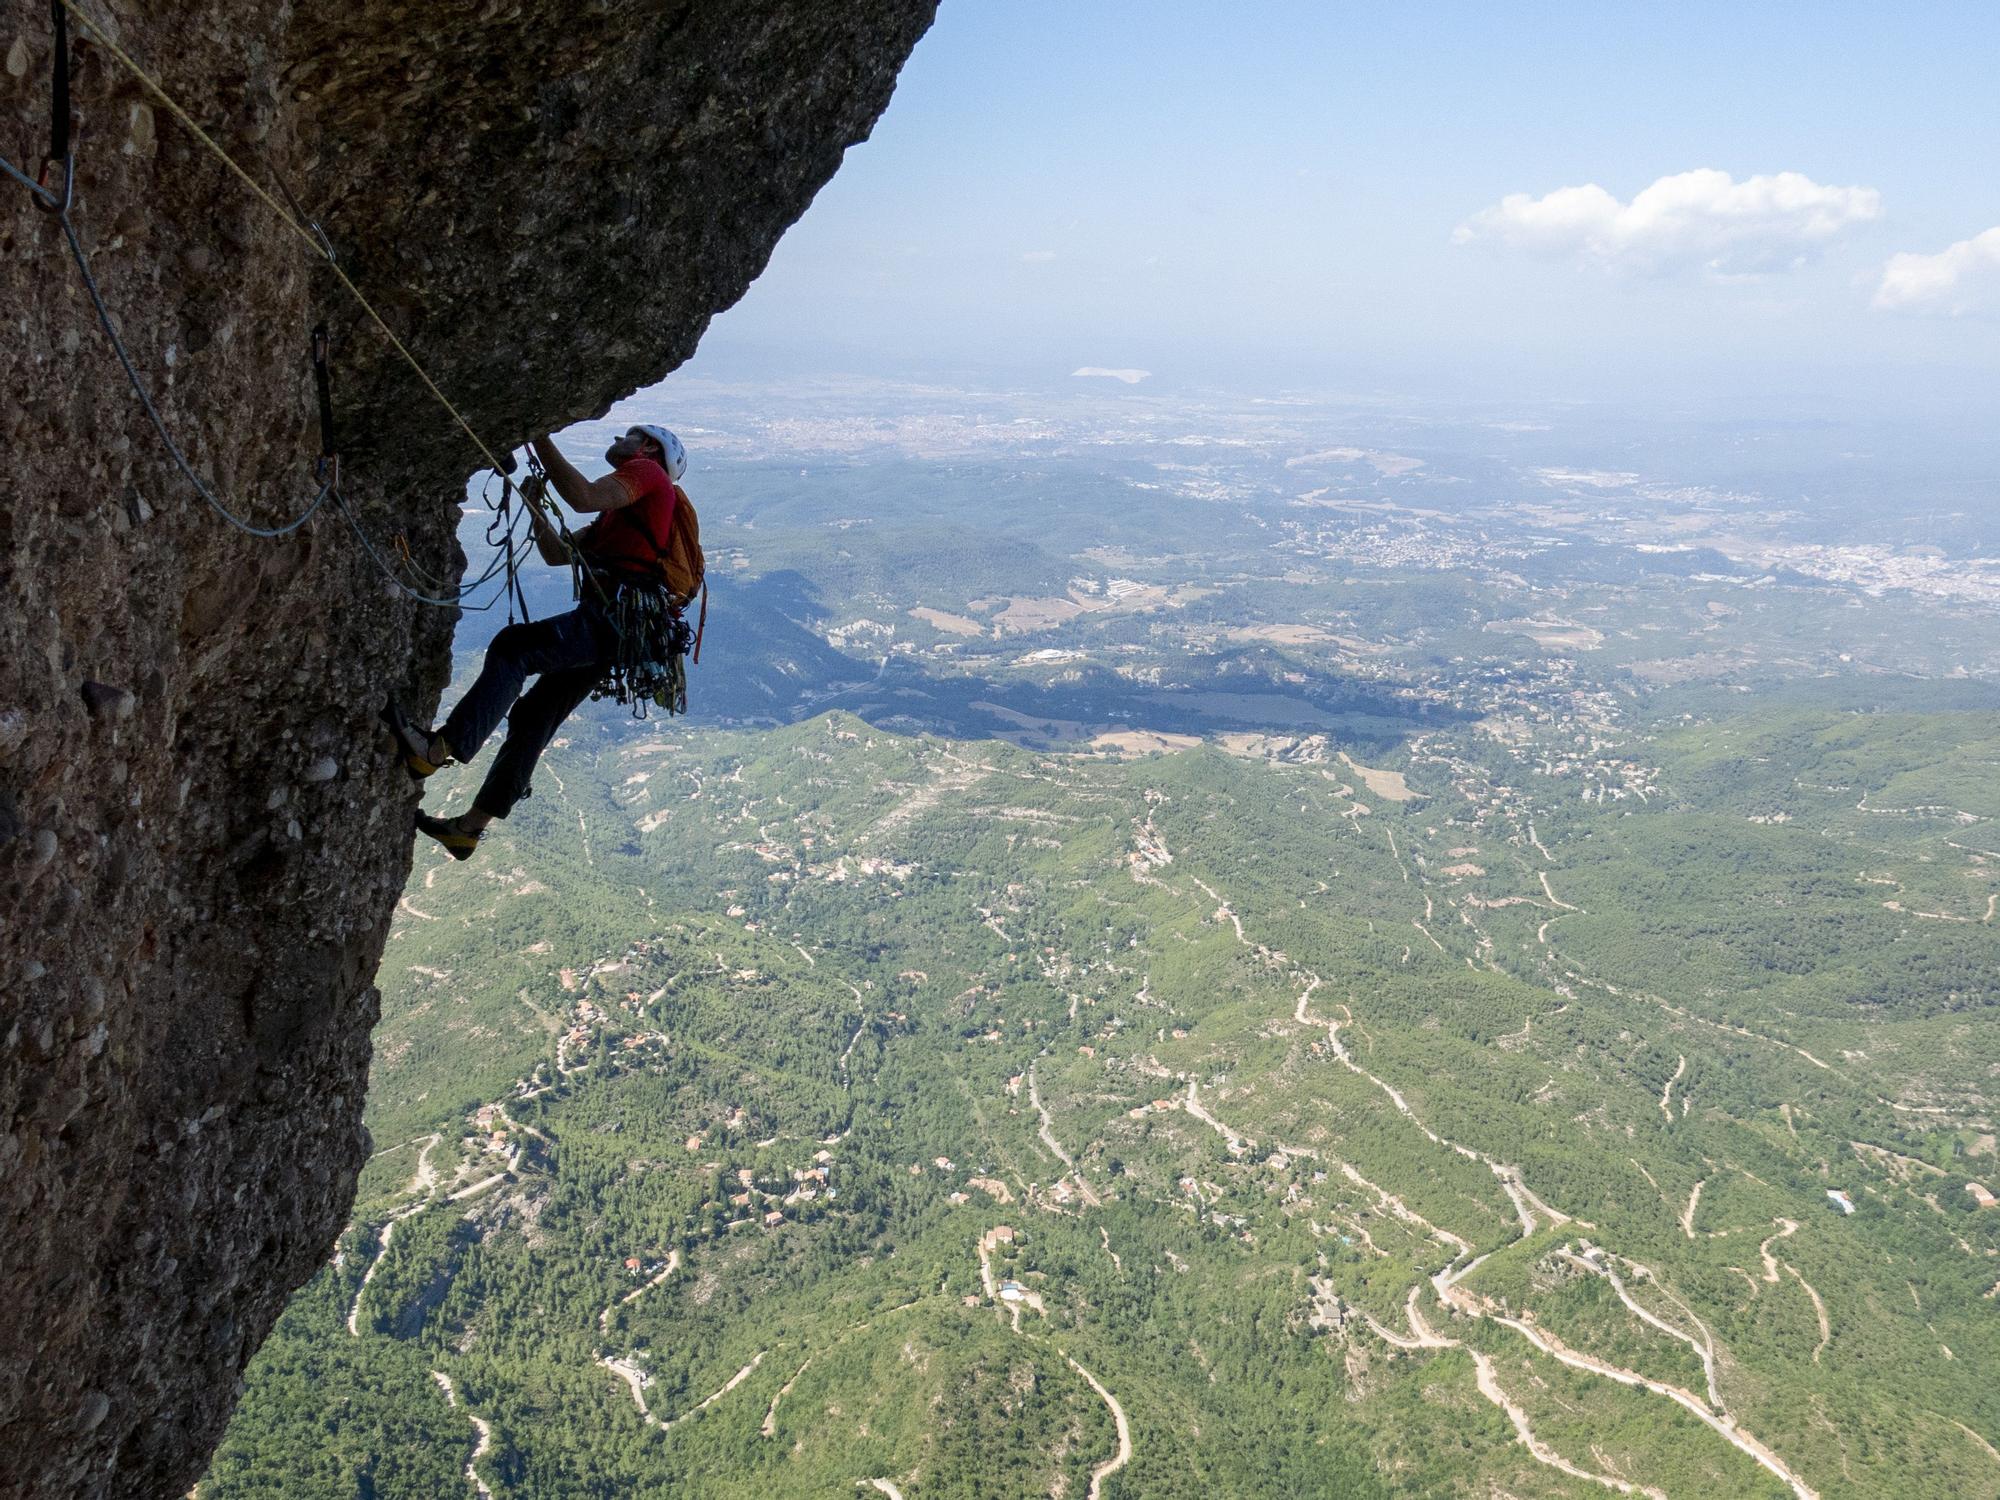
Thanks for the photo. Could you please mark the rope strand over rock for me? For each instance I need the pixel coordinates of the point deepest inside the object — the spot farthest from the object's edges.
(153, 412)
(316, 243)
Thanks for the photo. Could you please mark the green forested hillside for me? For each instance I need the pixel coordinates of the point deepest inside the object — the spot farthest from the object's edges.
(776, 1113)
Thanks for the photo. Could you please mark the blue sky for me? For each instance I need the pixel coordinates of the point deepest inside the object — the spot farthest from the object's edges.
(1213, 192)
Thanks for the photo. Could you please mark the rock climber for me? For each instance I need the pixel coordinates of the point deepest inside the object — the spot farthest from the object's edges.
(634, 508)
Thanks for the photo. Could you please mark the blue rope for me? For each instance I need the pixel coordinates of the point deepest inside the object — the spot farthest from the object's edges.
(152, 412)
(47, 198)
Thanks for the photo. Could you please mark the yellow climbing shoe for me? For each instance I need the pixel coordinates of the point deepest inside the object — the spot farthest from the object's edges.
(413, 743)
(458, 843)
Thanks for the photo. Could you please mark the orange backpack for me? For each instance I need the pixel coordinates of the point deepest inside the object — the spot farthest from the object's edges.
(681, 560)
(685, 567)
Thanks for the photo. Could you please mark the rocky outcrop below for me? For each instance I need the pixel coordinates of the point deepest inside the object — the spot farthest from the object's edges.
(202, 835)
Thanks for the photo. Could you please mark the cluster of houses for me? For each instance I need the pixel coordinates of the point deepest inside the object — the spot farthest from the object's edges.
(490, 1120)
(588, 1019)
(1007, 1290)
(770, 1199)
(848, 866)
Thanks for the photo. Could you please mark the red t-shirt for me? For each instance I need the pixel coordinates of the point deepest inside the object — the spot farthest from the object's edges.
(633, 536)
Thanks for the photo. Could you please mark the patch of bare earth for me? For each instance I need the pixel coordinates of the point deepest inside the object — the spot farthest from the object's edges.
(1388, 785)
(951, 624)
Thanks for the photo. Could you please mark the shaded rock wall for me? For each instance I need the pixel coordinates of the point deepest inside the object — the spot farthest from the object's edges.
(201, 835)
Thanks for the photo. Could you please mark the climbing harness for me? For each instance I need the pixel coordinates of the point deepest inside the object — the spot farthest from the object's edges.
(648, 668)
(649, 662)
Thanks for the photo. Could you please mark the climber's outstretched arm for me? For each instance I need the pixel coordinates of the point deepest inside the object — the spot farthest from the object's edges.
(586, 495)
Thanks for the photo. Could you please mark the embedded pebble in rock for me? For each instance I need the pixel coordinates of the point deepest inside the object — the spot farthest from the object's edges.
(95, 1408)
(548, 205)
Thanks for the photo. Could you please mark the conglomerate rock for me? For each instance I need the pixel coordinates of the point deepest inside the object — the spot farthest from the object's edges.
(202, 835)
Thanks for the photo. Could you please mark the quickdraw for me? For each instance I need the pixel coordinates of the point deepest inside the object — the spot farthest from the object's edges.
(61, 154)
(649, 668)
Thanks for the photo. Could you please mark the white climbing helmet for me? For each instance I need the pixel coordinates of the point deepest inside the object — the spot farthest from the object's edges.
(675, 459)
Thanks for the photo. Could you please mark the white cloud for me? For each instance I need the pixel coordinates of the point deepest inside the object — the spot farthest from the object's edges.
(1038, 257)
(1130, 377)
(1960, 278)
(1701, 219)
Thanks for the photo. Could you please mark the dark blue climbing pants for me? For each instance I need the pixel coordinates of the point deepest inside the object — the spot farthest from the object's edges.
(568, 654)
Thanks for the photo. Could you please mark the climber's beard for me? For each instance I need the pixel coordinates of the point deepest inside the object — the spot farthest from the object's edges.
(627, 447)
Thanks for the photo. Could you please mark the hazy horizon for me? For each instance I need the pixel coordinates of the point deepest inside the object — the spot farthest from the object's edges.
(1715, 206)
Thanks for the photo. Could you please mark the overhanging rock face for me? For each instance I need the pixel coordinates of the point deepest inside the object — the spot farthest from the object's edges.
(201, 835)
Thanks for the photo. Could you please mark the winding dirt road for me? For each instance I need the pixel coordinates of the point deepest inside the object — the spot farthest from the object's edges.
(1124, 1454)
(473, 1191)
(1722, 1426)
(1819, 1311)
(423, 1181)
(1704, 1347)
(635, 1381)
(1687, 1214)
(845, 1080)
(1491, 1389)
(1422, 1336)
(1991, 1452)
(1786, 1229)
(1667, 1093)
(1236, 1144)
(770, 1427)
(1462, 1266)
(727, 1386)
(1555, 900)
(1049, 1140)
(481, 1446)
